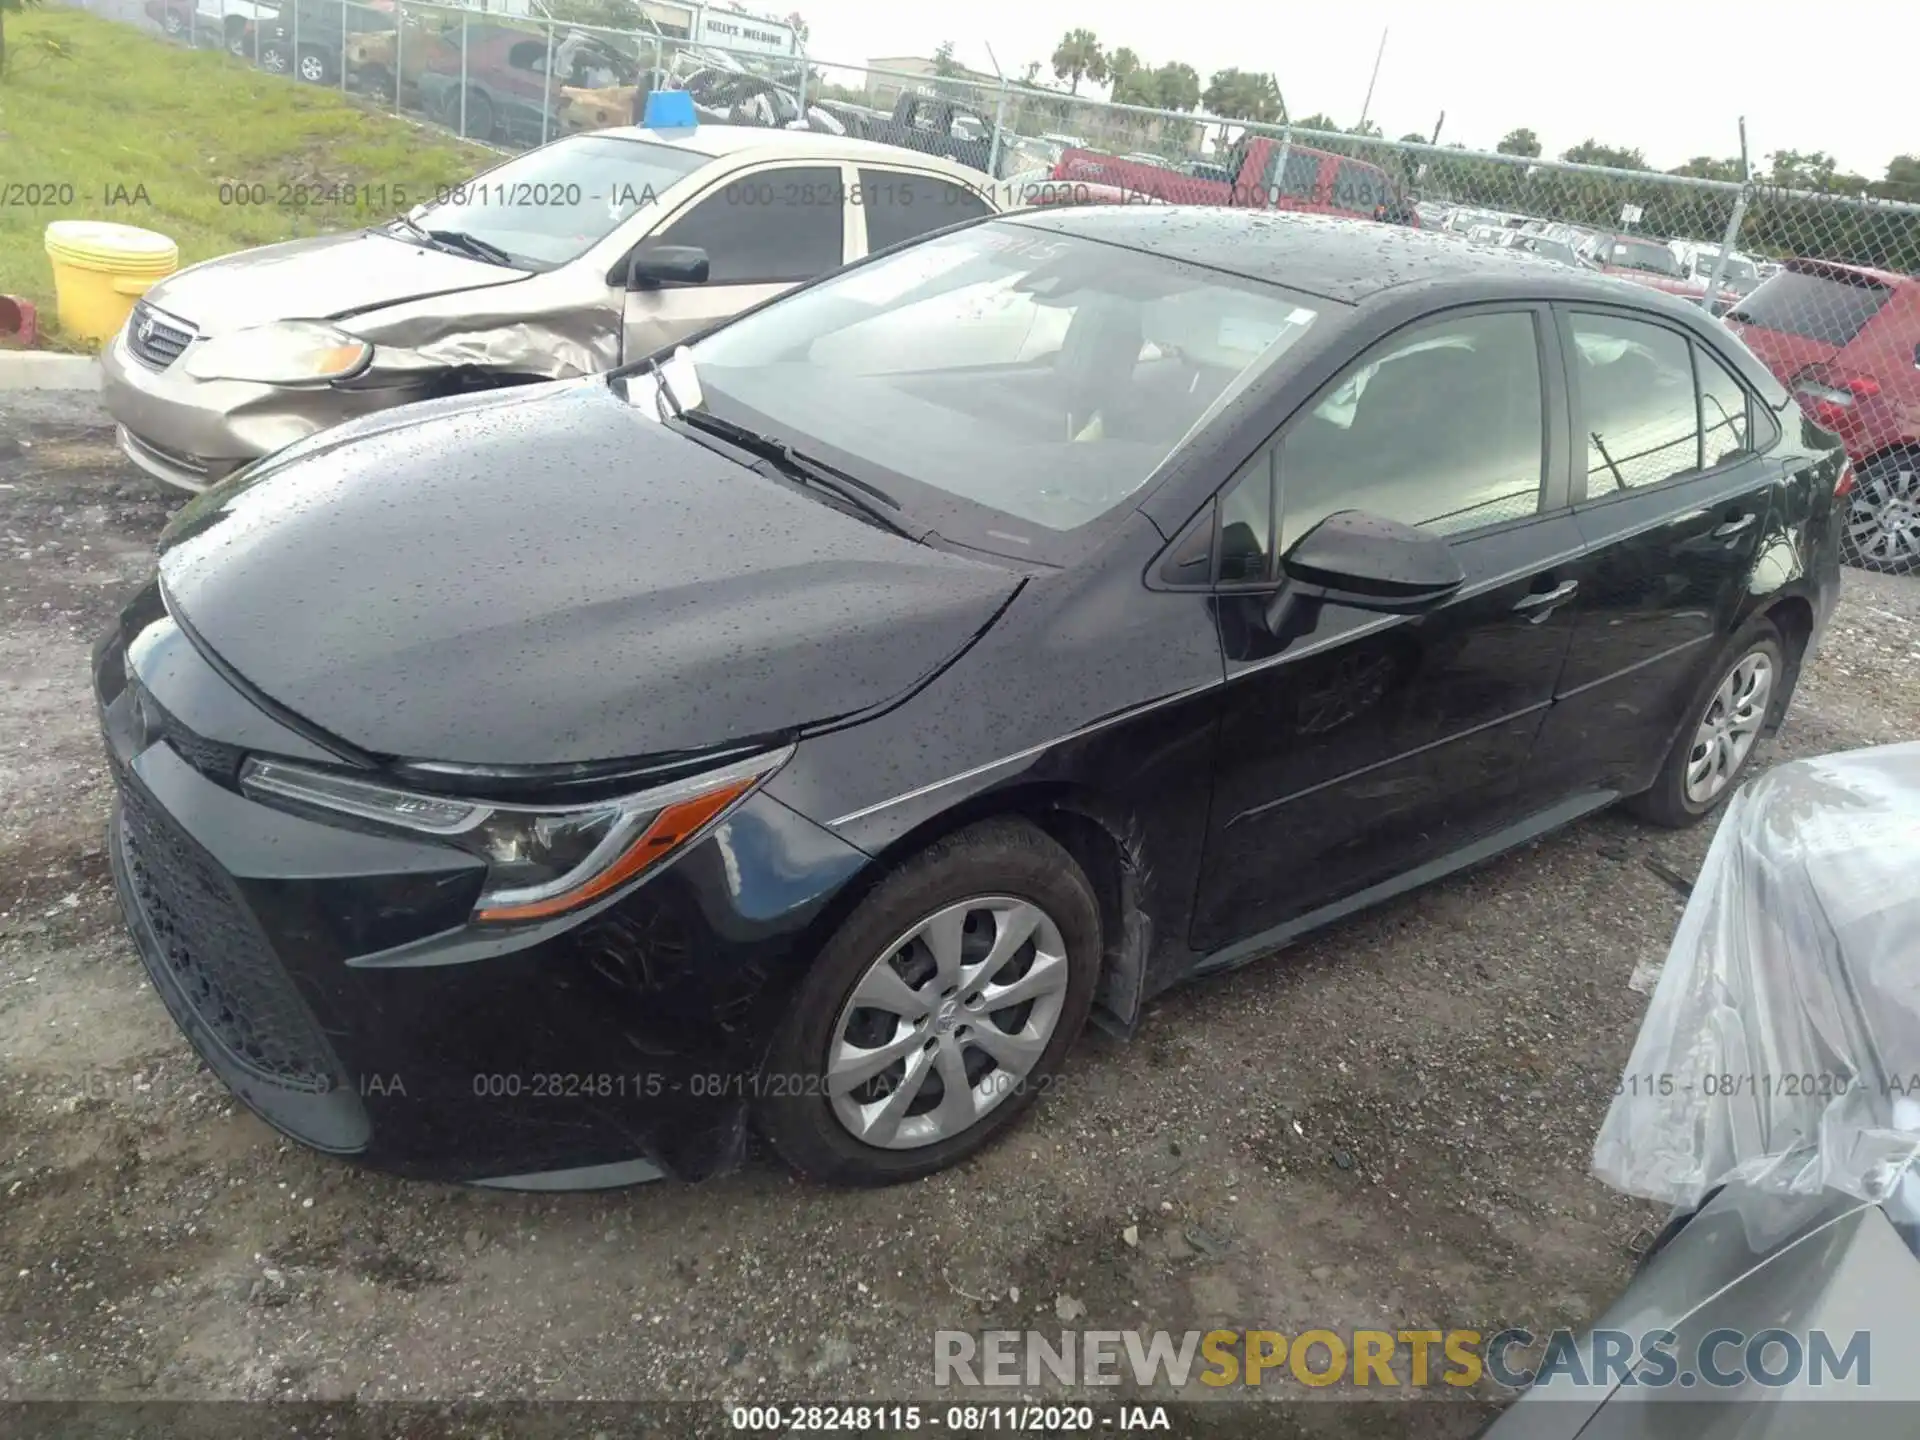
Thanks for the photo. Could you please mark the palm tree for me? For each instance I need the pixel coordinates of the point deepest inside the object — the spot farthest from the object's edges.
(1079, 57)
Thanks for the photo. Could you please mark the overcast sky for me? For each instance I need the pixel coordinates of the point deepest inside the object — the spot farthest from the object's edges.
(1671, 77)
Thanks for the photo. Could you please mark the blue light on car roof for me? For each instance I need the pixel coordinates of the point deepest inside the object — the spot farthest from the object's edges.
(669, 110)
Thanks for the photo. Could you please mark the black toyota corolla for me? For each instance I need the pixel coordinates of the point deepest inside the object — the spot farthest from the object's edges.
(815, 726)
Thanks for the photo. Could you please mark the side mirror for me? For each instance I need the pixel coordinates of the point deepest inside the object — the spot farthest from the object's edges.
(667, 265)
(1368, 563)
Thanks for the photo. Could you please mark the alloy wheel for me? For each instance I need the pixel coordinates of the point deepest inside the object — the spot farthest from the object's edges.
(947, 1022)
(313, 69)
(1729, 728)
(1883, 518)
(273, 60)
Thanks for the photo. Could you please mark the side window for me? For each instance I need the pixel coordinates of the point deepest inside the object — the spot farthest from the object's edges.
(1298, 179)
(900, 206)
(1723, 412)
(772, 226)
(1359, 187)
(1246, 523)
(1635, 388)
(1440, 426)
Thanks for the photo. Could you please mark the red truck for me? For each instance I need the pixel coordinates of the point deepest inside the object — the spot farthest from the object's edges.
(1267, 174)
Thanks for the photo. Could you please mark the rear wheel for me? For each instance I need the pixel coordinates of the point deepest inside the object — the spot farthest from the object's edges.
(238, 37)
(1882, 526)
(938, 1012)
(479, 116)
(1724, 725)
(316, 66)
(275, 58)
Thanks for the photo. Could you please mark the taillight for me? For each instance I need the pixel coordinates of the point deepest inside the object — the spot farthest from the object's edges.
(1844, 485)
(1832, 402)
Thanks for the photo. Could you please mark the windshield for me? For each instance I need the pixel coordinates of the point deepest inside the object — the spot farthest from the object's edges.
(553, 204)
(1043, 376)
(1648, 255)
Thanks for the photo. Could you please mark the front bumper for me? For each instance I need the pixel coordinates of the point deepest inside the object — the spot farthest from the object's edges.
(191, 433)
(331, 979)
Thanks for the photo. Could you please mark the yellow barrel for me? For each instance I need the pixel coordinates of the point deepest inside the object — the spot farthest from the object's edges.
(100, 269)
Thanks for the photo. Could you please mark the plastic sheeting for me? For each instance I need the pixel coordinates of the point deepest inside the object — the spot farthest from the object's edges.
(1781, 1047)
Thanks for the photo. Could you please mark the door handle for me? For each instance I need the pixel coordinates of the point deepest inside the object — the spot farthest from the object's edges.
(1732, 527)
(1543, 601)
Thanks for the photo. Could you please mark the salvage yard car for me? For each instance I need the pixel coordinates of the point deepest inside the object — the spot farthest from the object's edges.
(818, 721)
(535, 270)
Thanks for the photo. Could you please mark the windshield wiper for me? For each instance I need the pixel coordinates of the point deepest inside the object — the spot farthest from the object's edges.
(864, 496)
(664, 392)
(472, 245)
(407, 223)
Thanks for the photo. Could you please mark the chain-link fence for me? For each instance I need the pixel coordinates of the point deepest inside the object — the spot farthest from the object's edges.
(1820, 284)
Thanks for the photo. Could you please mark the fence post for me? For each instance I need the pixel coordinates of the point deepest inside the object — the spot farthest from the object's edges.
(1733, 223)
(399, 45)
(463, 74)
(801, 88)
(255, 27)
(345, 32)
(296, 43)
(546, 87)
(999, 125)
(1272, 200)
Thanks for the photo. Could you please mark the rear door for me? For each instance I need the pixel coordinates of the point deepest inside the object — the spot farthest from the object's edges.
(1674, 502)
(1373, 744)
(892, 206)
(764, 230)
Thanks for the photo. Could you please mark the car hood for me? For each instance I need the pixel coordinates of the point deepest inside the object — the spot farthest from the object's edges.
(548, 576)
(325, 277)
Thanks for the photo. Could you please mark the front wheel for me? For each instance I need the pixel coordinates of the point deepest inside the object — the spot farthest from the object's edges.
(1723, 727)
(274, 58)
(938, 1012)
(1882, 526)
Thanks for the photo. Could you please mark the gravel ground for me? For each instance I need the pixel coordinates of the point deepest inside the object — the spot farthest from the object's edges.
(1388, 1126)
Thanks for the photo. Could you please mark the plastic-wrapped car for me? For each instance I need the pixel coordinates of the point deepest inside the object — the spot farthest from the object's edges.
(1773, 1098)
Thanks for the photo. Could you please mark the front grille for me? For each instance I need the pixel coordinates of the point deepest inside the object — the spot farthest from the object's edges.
(211, 758)
(155, 339)
(217, 960)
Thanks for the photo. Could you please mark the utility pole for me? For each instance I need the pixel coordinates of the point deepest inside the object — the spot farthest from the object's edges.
(1368, 103)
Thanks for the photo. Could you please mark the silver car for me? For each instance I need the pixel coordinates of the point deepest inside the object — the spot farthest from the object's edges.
(528, 272)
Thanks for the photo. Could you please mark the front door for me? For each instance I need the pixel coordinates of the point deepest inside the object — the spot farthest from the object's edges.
(764, 231)
(1675, 507)
(1373, 743)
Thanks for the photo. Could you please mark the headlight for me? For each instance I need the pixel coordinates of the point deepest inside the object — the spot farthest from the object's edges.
(290, 352)
(541, 860)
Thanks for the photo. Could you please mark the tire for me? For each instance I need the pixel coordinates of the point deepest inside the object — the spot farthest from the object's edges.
(173, 23)
(1881, 527)
(479, 119)
(1671, 800)
(316, 66)
(237, 38)
(275, 58)
(987, 875)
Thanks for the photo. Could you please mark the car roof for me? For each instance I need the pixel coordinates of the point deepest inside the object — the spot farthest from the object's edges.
(1810, 266)
(772, 142)
(1334, 257)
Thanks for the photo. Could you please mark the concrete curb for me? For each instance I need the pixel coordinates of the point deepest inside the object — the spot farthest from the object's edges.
(44, 370)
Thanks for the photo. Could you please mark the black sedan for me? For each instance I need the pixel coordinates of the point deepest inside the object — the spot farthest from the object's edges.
(816, 725)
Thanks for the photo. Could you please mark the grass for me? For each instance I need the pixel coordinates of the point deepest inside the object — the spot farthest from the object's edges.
(110, 123)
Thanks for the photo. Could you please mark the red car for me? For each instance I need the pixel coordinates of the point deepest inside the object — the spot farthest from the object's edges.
(1846, 340)
(1267, 174)
(1650, 262)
